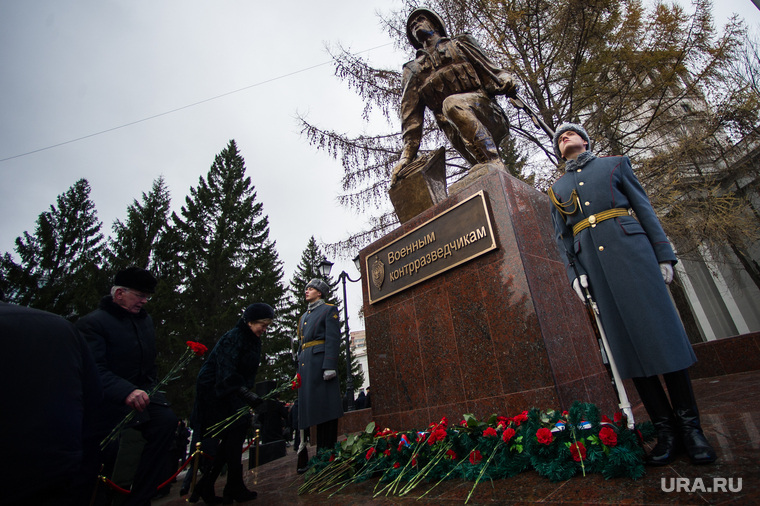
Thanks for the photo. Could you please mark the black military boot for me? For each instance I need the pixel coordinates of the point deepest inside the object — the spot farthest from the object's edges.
(204, 490)
(687, 418)
(658, 408)
(235, 490)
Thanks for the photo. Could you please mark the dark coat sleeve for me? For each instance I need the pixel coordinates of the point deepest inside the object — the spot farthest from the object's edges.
(332, 339)
(639, 202)
(93, 329)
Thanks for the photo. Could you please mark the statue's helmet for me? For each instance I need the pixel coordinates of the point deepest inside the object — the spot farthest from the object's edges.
(432, 16)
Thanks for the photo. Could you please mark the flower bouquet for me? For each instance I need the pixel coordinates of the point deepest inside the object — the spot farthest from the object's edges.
(219, 427)
(558, 445)
(193, 349)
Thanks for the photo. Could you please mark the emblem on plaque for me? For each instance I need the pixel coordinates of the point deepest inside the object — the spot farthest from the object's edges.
(378, 273)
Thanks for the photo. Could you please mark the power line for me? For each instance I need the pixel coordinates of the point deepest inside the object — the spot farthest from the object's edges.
(283, 76)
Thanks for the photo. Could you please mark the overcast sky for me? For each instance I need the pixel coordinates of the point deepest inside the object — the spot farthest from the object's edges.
(71, 69)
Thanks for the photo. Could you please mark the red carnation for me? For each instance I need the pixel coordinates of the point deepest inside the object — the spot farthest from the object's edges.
(544, 436)
(296, 384)
(522, 417)
(509, 433)
(396, 465)
(451, 454)
(438, 434)
(198, 348)
(618, 417)
(606, 419)
(578, 451)
(475, 457)
(370, 453)
(608, 436)
(490, 432)
(332, 457)
(387, 452)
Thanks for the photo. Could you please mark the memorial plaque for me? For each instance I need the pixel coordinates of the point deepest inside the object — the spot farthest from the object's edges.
(450, 239)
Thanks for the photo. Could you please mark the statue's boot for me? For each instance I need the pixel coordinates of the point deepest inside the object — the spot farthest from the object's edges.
(484, 149)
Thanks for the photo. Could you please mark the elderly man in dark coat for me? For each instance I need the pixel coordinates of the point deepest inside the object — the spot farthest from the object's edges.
(121, 336)
(222, 388)
(614, 246)
(319, 401)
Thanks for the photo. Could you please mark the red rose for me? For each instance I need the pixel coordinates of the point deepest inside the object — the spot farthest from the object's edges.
(509, 433)
(578, 451)
(544, 436)
(608, 436)
(198, 348)
(475, 457)
(370, 453)
(490, 432)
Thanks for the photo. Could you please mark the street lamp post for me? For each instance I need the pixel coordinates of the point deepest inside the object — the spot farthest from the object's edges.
(325, 267)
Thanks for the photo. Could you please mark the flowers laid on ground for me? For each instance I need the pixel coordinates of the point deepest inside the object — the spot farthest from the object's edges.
(219, 427)
(193, 349)
(557, 445)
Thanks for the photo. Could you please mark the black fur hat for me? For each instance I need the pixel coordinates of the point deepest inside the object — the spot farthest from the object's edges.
(258, 311)
(136, 279)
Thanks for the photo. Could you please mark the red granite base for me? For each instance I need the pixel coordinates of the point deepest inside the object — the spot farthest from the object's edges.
(730, 355)
(500, 333)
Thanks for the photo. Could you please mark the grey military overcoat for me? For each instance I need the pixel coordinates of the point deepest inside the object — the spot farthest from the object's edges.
(621, 257)
(318, 400)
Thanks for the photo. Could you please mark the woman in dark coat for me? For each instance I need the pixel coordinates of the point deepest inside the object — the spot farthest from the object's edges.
(222, 388)
(623, 260)
(319, 401)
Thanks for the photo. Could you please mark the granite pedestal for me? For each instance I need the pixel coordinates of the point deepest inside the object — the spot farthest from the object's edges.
(500, 333)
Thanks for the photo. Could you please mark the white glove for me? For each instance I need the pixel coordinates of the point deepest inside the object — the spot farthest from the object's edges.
(329, 374)
(580, 281)
(667, 272)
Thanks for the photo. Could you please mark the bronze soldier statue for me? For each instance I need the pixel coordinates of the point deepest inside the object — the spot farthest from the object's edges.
(453, 78)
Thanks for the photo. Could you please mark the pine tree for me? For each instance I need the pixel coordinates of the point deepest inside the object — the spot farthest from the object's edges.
(227, 261)
(59, 269)
(296, 305)
(136, 241)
